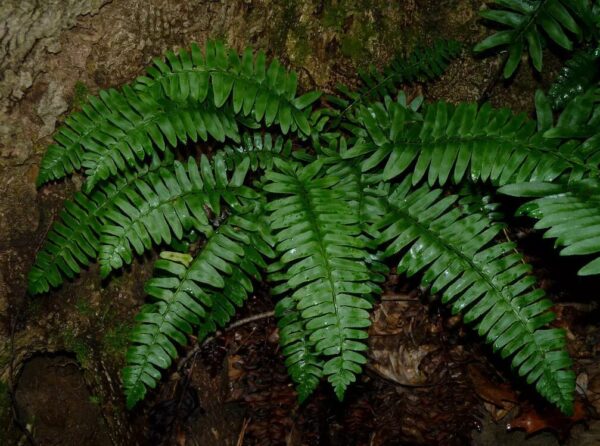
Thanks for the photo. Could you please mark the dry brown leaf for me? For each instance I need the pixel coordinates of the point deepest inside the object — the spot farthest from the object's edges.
(499, 394)
(532, 421)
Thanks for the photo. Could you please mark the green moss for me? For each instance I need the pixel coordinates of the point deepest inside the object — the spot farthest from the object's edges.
(78, 346)
(96, 400)
(115, 341)
(84, 308)
(80, 94)
(334, 16)
(300, 47)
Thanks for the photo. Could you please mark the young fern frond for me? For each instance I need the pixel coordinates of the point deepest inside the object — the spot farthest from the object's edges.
(166, 204)
(579, 74)
(487, 282)
(323, 265)
(570, 213)
(189, 294)
(193, 95)
(459, 142)
(525, 20)
(74, 239)
(423, 64)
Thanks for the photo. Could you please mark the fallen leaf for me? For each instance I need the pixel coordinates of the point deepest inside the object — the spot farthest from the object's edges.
(499, 398)
(532, 421)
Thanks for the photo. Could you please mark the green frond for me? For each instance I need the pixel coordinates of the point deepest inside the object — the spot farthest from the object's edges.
(73, 240)
(579, 74)
(253, 89)
(472, 201)
(487, 282)
(569, 213)
(192, 96)
(524, 21)
(423, 64)
(166, 126)
(260, 149)
(304, 366)
(460, 142)
(316, 223)
(188, 294)
(167, 204)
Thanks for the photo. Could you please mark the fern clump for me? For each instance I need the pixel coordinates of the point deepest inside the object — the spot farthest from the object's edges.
(321, 210)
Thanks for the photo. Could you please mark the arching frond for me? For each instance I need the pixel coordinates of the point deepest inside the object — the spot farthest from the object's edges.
(192, 95)
(460, 142)
(73, 240)
(260, 149)
(487, 282)
(266, 93)
(525, 20)
(189, 293)
(167, 204)
(570, 213)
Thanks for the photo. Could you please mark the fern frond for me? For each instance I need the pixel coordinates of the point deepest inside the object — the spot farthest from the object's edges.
(579, 74)
(187, 295)
(317, 229)
(73, 240)
(168, 203)
(260, 149)
(570, 213)
(525, 20)
(422, 64)
(253, 89)
(191, 95)
(303, 365)
(488, 283)
(166, 126)
(458, 142)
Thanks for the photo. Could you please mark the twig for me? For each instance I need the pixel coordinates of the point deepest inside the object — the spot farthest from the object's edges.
(240, 439)
(193, 352)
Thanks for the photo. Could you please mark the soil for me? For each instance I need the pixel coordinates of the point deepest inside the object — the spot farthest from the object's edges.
(429, 380)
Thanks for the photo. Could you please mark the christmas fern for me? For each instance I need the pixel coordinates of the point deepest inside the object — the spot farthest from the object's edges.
(529, 24)
(324, 212)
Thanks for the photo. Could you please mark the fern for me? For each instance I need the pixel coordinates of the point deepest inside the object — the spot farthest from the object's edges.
(74, 240)
(579, 74)
(458, 142)
(188, 294)
(322, 211)
(167, 204)
(560, 21)
(193, 95)
(422, 64)
(324, 266)
(570, 214)
(488, 283)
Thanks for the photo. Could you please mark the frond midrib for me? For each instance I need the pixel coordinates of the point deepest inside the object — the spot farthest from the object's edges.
(312, 218)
